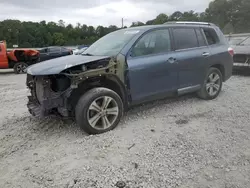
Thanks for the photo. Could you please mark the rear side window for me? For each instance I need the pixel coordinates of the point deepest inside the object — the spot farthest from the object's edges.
(211, 36)
(185, 38)
(201, 39)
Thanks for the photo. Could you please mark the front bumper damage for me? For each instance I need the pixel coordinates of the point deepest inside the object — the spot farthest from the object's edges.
(43, 101)
(55, 93)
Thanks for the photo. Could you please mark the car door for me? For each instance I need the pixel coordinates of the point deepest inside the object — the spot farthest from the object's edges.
(151, 66)
(192, 54)
(44, 54)
(3, 57)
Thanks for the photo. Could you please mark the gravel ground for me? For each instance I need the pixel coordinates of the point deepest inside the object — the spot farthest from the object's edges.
(184, 142)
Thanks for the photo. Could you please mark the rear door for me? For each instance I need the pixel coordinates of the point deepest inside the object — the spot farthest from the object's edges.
(192, 56)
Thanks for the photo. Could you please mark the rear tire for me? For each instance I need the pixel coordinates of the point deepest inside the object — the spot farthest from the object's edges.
(99, 110)
(212, 85)
(20, 68)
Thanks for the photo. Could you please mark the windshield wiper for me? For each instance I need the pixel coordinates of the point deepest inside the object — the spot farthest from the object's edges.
(88, 54)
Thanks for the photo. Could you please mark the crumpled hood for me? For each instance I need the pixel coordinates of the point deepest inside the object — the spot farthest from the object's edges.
(57, 65)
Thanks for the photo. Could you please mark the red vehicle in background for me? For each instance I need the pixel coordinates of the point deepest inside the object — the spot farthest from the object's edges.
(18, 59)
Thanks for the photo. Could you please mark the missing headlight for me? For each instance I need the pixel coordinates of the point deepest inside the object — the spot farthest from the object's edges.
(59, 83)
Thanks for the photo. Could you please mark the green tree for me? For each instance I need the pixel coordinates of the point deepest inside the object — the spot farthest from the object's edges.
(232, 16)
(160, 19)
(58, 39)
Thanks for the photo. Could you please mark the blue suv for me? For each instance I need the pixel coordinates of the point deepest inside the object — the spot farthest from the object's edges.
(128, 67)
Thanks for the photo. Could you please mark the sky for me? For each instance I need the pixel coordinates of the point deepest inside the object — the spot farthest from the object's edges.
(95, 12)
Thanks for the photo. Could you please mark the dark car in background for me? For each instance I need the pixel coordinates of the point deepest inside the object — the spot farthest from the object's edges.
(54, 52)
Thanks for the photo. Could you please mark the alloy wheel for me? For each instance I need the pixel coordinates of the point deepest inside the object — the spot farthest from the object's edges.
(213, 84)
(21, 68)
(102, 113)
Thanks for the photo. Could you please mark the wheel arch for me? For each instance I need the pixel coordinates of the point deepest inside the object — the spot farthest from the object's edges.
(110, 82)
(221, 69)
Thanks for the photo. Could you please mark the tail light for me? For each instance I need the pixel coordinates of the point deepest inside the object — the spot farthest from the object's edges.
(231, 51)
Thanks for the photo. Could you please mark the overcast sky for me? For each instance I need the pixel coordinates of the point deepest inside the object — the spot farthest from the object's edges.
(95, 12)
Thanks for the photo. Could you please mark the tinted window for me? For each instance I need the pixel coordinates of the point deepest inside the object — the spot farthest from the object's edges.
(185, 38)
(45, 50)
(55, 49)
(201, 39)
(152, 43)
(211, 36)
(64, 49)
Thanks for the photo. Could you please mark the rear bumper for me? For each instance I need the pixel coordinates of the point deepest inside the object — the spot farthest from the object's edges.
(241, 68)
(241, 65)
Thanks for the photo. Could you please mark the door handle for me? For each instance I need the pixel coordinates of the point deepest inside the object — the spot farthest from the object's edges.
(205, 54)
(172, 60)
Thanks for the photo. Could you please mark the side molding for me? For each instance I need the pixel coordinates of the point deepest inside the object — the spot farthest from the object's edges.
(189, 89)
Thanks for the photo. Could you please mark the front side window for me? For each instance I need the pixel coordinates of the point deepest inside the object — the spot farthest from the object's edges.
(154, 42)
(44, 50)
(185, 38)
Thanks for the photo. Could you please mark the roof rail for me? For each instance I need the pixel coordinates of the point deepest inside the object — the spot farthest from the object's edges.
(189, 23)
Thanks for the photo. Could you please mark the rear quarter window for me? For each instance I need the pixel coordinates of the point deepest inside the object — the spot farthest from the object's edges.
(211, 36)
(185, 38)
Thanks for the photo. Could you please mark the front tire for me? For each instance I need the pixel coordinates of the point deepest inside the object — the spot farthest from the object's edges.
(99, 110)
(20, 68)
(212, 85)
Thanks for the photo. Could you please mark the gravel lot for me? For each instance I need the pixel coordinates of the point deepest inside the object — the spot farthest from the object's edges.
(184, 142)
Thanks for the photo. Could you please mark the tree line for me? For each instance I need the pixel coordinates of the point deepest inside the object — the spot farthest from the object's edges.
(232, 16)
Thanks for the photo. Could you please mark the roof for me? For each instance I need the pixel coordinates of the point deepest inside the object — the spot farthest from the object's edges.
(190, 23)
(170, 24)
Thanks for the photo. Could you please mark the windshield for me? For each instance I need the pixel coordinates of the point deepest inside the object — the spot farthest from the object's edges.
(236, 40)
(111, 44)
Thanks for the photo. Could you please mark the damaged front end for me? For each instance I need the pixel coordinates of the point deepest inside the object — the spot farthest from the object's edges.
(49, 95)
(52, 94)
